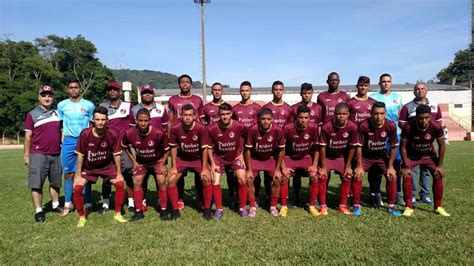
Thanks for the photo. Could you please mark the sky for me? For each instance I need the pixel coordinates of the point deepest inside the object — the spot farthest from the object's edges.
(259, 41)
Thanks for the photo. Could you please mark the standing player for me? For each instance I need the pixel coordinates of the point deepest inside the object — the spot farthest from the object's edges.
(41, 152)
(211, 109)
(226, 145)
(408, 114)
(280, 109)
(151, 147)
(360, 106)
(263, 146)
(120, 119)
(300, 139)
(75, 114)
(338, 142)
(98, 155)
(374, 134)
(330, 98)
(417, 149)
(188, 144)
(393, 104)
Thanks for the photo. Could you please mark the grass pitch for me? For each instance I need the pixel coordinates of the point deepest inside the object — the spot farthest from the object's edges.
(375, 237)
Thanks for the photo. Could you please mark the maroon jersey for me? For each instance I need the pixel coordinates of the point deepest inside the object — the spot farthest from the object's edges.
(46, 131)
(360, 109)
(281, 113)
(149, 148)
(328, 102)
(374, 139)
(211, 112)
(120, 117)
(190, 143)
(176, 102)
(420, 142)
(337, 140)
(246, 114)
(263, 145)
(227, 143)
(98, 152)
(299, 143)
(314, 115)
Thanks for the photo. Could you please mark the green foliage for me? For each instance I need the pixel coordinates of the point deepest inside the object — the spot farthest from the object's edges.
(157, 79)
(458, 70)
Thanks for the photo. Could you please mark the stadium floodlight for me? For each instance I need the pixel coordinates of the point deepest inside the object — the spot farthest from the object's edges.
(203, 48)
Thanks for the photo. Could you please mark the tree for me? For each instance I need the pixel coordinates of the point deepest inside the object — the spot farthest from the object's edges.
(458, 70)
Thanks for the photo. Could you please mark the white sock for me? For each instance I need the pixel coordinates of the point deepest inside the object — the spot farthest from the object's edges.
(131, 202)
(67, 204)
(144, 202)
(55, 204)
(105, 203)
(88, 205)
(39, 210)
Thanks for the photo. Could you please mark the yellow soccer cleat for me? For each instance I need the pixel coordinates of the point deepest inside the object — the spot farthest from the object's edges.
(119, 218)
(442, 212)
(284, 211)
(408, 212)
(313, 211)
(82, 222)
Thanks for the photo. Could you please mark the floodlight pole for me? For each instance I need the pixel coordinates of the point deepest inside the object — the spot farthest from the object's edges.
(203, 49)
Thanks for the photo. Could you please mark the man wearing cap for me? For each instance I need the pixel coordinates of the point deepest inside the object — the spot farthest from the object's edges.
(75, 114)
(41, 151)
(120, 119)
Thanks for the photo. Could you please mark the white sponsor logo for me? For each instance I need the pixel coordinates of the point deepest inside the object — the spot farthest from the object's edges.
(90, 144)
(183, 137)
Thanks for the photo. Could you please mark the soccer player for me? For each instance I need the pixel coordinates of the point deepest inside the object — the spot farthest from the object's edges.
(246, 110)
(263, 146)
(393, 104)
(330, 98)
(338, 141)
(75, 114)
(41, 151)
(151, 147)
(211, 109)
(416, 149)
(280, 109)
(407, 114)
(120, 118)
(300, 140)
(98, 155)
(360, 106)
(226, 139)
(374, 133)
(188, 143)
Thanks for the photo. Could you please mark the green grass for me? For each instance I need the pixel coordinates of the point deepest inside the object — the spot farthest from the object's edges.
(373, 238)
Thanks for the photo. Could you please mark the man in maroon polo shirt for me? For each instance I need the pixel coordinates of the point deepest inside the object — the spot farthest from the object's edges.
(211, 109)
(41, 151)
(330, 98)
(226, 139)
(188, 142)
(300, 138)
(263, 146)
(98, 155)
(151, 146)
(338, 141)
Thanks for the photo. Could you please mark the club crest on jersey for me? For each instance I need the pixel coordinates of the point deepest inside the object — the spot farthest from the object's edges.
(158, 111)
(311, 113)
(427, 136)
(195, 137)
(345, 135)
(270, 138)
(339, 100)
(239, 163)
(151, 143)
(83, 110)
(383, 134)
(103, 144)
(282, 112)
(306, 136)
(395, 102)
(122, 111)
(251, 112)
(369, 107)
(231, 135)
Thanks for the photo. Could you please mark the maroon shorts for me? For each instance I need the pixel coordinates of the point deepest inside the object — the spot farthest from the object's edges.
(266, 166)
(223, 165)
(107, 173)
(153, 169)
(379, 164)
(337, 165)
(428, 162)
(182, 166)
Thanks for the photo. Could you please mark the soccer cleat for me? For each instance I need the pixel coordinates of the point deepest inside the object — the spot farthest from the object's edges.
(244, 213)
(66, 210)
(426, 200)
(39, 217)
(344, 209)
(274, 211)
(290, 205)
(356, 210)
(393, 211)
(323, 211)
(119, 218)
(371, 200)
(283, 211)
(378, 200)
(82, 221)
(137, 216)
(207, 214)
(103, 210)
(175, 215)
(408, 212)
(253, 212)
(400, 201)
(313, 211)
(442, 212)
(180, 205)
(131, 208)
(164, 215)
(57, 209)
(218, 214)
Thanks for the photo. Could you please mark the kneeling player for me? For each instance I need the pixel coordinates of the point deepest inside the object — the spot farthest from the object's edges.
(372, 156)
(151, 146)
(98, 154)
(263, 143)
(300, 139)
(417, 149)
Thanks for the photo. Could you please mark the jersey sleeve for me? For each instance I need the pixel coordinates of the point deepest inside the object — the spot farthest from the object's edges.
(29, 126)
(172, 139)
(60, 111)
(392, 134)
(323, 137)
(439, 132)
(171, 107)
(91, 108)
(117, 147)
(80, 144)
(165, 117)
(439, 115)
(125, 141)
(405, 131)
(403, 117)
(249, 140)
(280, 139)
(355, 140)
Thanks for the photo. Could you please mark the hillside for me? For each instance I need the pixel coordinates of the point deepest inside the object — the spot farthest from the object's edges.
(158, 79)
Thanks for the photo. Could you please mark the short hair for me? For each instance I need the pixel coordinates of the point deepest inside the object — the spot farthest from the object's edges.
(340, 106)
(73, 81)
(265, 111)
(225, 107)
(101, 110)
(303, 109)
(363, 80)
(384, 75)
(216, 84)
(143, 111)
(333, 73)
(423, 109)
(378, 105)
(306, 87)
(277, 82)
(420, 83)
(188, 107)
(185, 76)
(246, 83)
